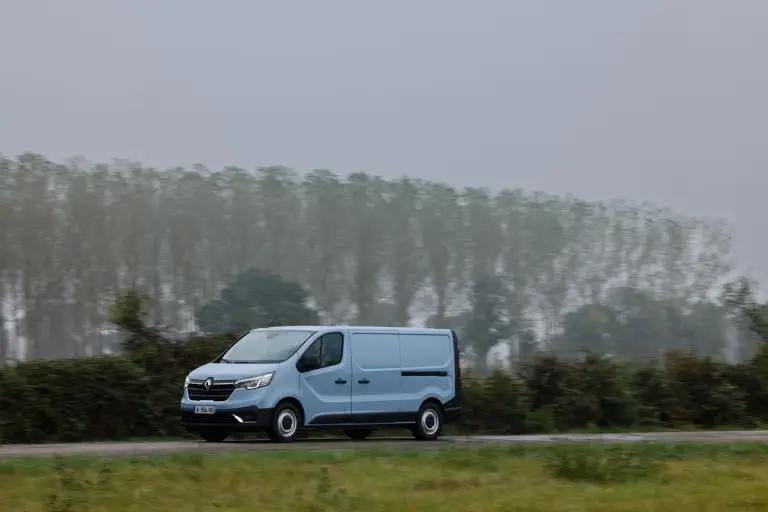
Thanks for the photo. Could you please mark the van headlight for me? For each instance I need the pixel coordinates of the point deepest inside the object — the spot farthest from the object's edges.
(186, 382)
(255, 382)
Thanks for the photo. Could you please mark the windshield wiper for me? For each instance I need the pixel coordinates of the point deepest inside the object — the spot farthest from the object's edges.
(225, 361)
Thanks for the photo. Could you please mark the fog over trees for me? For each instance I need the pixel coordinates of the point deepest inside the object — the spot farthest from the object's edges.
(552, 272)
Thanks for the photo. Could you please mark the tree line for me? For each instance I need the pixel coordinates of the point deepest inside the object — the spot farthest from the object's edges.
(548, 272)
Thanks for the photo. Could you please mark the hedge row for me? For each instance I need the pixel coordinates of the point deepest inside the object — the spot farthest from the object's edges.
(137, 395)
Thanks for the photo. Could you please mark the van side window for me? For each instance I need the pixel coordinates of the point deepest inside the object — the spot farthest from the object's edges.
(332, 350)
(327, 350)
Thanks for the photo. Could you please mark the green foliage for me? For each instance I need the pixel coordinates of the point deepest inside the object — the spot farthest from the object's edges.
(3, 342)
(129, 311)
(704, 392)
(137, 395)
(486, 325)
(352, 242)
(592, 327)
(498, 404)
(590, 391)
(631, 323)
(255, 299)
(652, 392)
(740, 296)
(72, 400)
(107, 397)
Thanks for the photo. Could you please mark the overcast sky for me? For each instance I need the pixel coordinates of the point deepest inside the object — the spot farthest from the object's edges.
(659, 100)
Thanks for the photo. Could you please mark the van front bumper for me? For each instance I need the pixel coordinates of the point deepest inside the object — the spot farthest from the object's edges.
(243, 418)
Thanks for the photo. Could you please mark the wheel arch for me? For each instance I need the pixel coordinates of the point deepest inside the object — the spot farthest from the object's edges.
(433, 400)
(296, 403)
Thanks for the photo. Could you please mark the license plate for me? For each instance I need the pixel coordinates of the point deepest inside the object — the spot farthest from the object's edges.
(205, 409)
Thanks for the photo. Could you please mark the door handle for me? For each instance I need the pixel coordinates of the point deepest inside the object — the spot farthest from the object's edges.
(363, 381)
(340, 381)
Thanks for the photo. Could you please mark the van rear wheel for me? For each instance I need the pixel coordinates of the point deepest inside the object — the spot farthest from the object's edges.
(214, 435)
(358, 434)
(286, 424)
(429, 422)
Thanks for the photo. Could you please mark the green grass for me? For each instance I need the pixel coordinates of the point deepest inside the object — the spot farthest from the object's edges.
(594, 477)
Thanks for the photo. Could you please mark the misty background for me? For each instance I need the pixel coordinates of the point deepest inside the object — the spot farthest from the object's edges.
(644, 101)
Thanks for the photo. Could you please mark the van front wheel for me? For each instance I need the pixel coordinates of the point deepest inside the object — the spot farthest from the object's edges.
(429, 422)
(286, 423)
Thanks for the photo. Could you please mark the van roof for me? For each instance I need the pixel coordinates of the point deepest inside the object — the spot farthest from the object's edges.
(356, 328)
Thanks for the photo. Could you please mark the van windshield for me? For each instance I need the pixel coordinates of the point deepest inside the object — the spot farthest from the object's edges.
(265, 346)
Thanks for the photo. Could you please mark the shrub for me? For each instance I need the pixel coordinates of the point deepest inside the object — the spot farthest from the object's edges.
(80, 399)
(593, 391)
(703, 393)
(597, 393)
(752, 379)
(102, 398)
(137, 394)
(498, 404)
(651, 389)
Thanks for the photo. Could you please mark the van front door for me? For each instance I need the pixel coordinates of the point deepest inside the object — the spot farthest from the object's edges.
(376, 395)
(325, 377)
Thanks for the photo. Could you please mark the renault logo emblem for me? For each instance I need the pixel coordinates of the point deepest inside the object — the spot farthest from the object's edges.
(208, 383)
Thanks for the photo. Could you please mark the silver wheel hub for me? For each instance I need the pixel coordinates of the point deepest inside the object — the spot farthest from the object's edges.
(287, 423)
(430, 422)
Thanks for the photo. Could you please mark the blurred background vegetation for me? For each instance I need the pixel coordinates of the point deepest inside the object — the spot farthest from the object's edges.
(514, 272)
(118, 279)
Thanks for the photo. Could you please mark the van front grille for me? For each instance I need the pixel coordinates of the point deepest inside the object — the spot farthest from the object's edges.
(218, 392)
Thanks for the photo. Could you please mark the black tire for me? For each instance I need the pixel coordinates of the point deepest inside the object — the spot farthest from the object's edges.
(286, 424)
(429, 422)
(214, 435)
(358, 434)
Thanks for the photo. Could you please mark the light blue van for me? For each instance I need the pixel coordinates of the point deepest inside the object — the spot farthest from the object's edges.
(358, 379)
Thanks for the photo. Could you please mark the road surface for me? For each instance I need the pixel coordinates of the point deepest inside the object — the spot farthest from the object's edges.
(135, 449)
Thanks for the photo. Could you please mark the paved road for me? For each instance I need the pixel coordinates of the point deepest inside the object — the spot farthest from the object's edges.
(165, 447)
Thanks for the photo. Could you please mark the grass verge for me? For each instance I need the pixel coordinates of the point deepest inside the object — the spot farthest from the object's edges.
(597, 477)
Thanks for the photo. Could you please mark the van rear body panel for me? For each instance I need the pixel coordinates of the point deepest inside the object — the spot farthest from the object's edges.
(427, 369)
